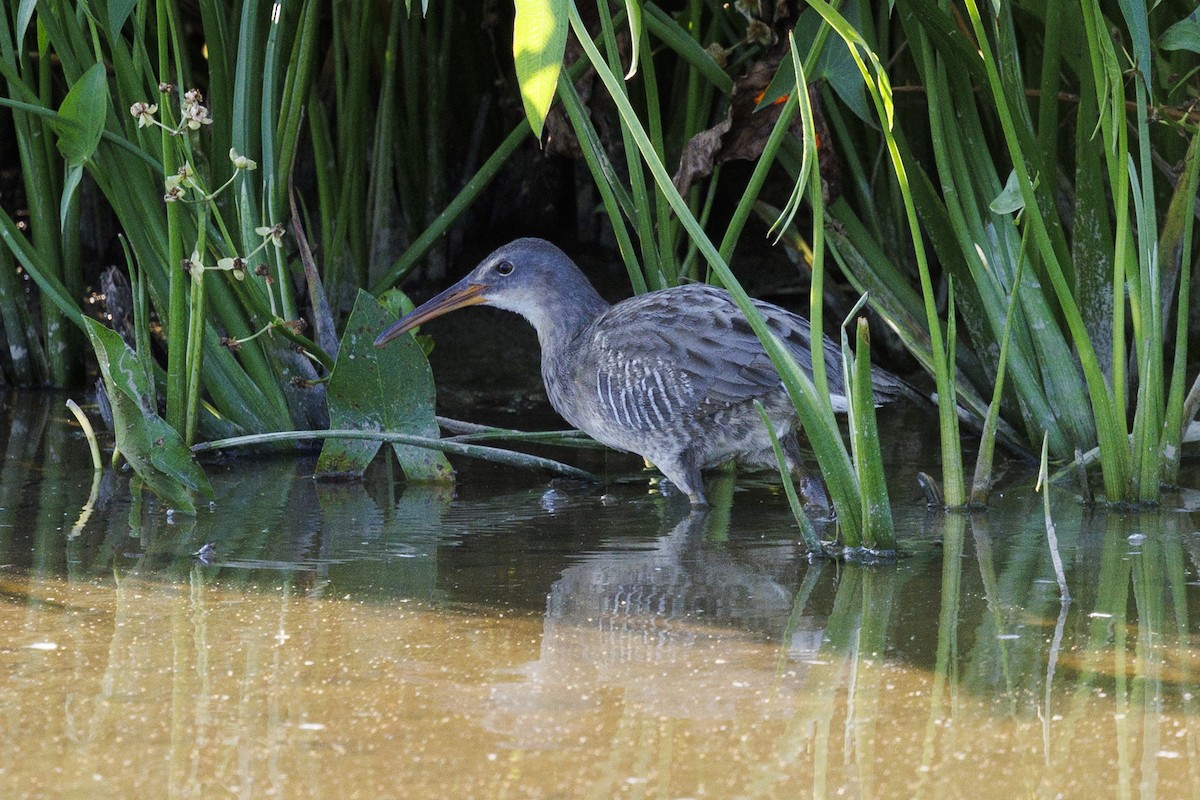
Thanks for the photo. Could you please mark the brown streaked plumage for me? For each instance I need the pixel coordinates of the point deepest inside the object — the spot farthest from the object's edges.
(670, 375)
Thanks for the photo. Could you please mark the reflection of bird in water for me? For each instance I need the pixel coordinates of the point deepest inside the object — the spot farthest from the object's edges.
(633, 621)
(641, 598)
(671, 375)
(206, 554)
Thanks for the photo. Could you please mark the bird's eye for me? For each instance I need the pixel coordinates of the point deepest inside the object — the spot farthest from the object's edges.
(504, 268)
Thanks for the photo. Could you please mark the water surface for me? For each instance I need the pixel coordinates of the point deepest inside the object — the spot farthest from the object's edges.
(527, 640)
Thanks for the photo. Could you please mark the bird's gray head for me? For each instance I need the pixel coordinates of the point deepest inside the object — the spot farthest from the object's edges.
(531, 277)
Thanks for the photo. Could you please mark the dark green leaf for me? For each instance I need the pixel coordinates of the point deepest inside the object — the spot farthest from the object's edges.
(81, 116)
(835, 65)
(878, 528)
(118, 12)
(380, 389)
(151, 446)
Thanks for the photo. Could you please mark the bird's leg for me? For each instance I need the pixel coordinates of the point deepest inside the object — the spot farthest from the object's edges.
(683, 471)
(811, 487)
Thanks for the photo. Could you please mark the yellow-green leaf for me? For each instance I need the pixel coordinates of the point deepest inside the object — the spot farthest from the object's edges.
(539, 40)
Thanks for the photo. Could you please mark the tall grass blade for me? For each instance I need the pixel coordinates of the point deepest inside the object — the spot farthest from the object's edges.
(881, 93)
(1175, 245)
(879, 531)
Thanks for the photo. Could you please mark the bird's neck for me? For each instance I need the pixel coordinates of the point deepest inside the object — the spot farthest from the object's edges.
(562, 327)
(562, 316)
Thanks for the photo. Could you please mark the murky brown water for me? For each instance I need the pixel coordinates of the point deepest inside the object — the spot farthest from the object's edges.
(522, 641)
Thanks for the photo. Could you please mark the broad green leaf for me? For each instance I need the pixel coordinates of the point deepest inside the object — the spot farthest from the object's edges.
(380, 389)
(1183, 35)
(151, 446)
(874, 76)
(539, 41)
(81, 116)
(118, 12)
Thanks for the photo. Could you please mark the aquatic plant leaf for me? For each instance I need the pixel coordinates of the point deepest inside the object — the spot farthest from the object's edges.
(879, 531)
(380, 389)
(835, 64)
(539, 41)
(81, 116)
(72, 175)
(152, 447)
(1010, 198)
(1183, 35)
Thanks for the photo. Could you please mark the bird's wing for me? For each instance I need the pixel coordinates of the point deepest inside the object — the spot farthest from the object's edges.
(685, 352)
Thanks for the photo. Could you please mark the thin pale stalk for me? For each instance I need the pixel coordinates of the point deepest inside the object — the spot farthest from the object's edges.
(1051, 529)
(493, 454)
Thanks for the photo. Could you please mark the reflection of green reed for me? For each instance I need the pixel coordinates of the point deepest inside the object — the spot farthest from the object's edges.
(26, 424)
(945, 671)
(1117, 656)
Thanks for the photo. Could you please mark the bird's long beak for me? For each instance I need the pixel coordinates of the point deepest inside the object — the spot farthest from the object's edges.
(459, 295)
